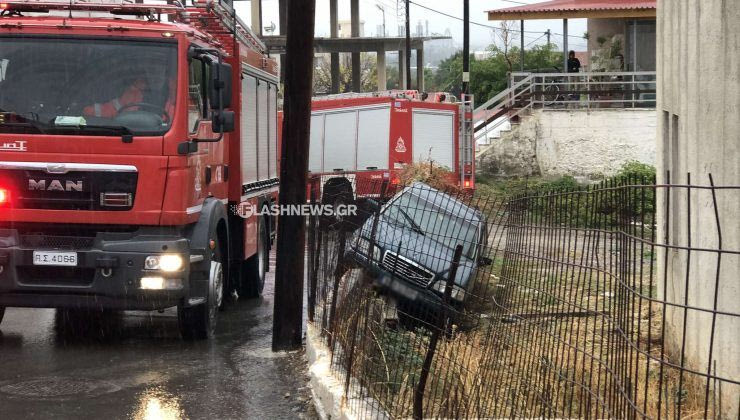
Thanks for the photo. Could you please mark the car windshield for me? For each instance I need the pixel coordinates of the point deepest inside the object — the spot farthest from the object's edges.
(414, 212)
(86, 86)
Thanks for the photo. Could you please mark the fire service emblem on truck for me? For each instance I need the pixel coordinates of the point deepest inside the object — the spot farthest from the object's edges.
(400, 145)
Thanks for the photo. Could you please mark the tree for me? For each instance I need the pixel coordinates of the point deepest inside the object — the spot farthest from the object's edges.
(490, 76)
(506, 36)
(368, 75)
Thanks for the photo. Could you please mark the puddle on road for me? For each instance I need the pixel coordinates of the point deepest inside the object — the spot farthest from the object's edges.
(157, 404)
(59, 388)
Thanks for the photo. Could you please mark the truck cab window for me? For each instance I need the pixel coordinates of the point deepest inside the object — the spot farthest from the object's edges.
(69, 86)
(197, 98)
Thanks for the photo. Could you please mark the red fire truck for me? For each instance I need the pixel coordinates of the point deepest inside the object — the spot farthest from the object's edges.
(357, 138)
(126, 133)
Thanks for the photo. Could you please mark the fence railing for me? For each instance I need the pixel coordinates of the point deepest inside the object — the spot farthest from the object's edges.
(560, 305)
(593, 90)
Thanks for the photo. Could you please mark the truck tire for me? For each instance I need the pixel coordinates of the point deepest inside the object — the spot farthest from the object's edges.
(256, 266)
(337, 193)
(2, 313)
(199, 322)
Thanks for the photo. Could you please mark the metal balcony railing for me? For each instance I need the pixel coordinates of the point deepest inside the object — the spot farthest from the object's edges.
(596, 90)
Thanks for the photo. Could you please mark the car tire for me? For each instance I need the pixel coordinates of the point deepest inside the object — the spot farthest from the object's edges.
(253, 280)
(199, 322)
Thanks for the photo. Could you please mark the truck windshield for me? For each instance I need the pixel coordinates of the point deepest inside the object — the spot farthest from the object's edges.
(86, 86)
(415, 213)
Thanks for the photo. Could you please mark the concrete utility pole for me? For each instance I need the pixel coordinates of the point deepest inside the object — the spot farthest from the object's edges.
(287, 328)
(333, 33)
(548, 37)
(382, 10)
(355, 27)
(521, 53)
(257, 16)
(466, 48)
(565, 45)
(408, 46)
(283, 17)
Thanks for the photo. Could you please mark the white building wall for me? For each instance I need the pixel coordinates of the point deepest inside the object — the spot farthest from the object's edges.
(598, 142)
(581, 143)
(699, 133)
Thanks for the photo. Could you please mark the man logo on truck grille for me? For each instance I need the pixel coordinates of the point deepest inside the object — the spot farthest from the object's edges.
(54, 185)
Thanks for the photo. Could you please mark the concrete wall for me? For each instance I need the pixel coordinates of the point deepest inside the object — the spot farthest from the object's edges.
(587, 143)
(699, 132)
(579, 142)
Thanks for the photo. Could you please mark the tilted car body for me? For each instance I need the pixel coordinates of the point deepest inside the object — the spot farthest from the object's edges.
(409, 251)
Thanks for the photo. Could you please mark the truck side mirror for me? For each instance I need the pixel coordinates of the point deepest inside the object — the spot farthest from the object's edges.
(223, 121)
(219, 82)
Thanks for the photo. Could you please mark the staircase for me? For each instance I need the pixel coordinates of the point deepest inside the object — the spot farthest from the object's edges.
(501, 109)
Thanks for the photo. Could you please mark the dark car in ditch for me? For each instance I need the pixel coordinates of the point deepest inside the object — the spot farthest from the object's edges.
(408, 249)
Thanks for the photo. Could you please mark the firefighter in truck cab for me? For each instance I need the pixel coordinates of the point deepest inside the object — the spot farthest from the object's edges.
(131, 97)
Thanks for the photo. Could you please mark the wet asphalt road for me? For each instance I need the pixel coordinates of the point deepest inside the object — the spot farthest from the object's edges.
(135, 366)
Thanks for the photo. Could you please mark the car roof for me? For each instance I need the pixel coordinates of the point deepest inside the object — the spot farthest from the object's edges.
(444, 201)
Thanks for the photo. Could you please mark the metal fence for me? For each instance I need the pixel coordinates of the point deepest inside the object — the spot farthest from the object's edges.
(562, 306)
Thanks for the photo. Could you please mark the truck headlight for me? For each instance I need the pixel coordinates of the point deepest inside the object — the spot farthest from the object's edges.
(167, 262)
(458, 293)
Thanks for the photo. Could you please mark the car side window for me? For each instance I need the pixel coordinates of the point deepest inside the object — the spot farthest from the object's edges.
(197, 98)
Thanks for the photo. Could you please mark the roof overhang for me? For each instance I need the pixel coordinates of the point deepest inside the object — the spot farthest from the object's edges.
(576, 9)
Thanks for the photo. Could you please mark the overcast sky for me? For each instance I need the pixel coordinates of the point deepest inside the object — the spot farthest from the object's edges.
(480, 36)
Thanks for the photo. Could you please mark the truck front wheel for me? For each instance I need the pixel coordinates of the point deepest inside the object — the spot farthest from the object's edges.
(199, 322)
(255, 267)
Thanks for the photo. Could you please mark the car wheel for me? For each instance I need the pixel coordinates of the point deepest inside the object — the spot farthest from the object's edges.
(199, 322)
(256, 266)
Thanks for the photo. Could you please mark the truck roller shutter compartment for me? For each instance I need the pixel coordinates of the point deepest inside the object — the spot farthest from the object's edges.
(263, 117)
(340, 141)
(316, 147)
(273, 132)
(434, 137)
(249, 130)
(372, 138)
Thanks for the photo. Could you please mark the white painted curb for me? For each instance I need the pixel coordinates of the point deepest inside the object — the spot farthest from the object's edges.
(327, 389)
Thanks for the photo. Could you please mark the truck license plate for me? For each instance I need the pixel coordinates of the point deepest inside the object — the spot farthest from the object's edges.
(66, 259)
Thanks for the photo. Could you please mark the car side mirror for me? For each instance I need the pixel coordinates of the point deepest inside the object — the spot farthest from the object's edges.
(484, 261)
(219, 82)
(223, 122)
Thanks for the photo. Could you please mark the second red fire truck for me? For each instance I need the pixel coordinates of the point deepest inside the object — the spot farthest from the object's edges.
(359, 138)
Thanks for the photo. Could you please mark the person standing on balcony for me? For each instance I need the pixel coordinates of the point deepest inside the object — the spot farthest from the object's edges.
(574, 64)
